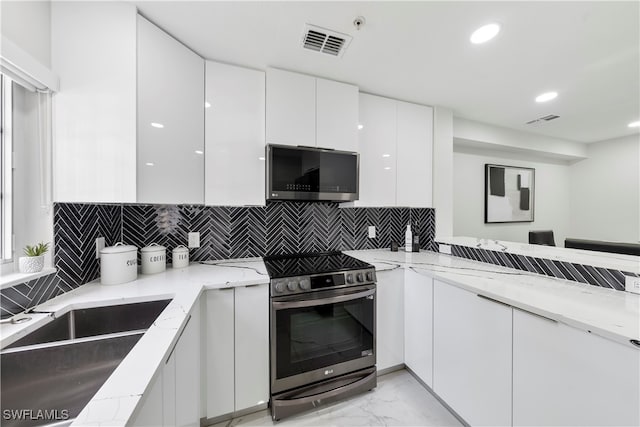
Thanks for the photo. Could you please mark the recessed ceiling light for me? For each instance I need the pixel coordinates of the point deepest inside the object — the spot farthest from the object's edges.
(634, 124)
(387, 168)
(360, 127)
(485, 33)
(386, 155)
(547, 96)
(199, 152)
(260, 158)
(157, 125)
(207, 105)
(149, 164)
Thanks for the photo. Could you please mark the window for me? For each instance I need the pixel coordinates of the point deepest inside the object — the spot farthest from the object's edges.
(6, 170)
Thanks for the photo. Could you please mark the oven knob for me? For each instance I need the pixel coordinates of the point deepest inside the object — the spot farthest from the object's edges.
(279, 287)
(305, 284)
(369, 276)
(349, 278)
(360, 277)
(292, 286)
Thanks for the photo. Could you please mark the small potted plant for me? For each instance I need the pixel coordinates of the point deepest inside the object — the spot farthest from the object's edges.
(33, 262)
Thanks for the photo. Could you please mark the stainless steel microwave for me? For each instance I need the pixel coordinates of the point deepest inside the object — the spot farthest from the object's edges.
(313, 174)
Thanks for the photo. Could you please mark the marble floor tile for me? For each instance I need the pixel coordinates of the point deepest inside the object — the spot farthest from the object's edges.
(398, 400)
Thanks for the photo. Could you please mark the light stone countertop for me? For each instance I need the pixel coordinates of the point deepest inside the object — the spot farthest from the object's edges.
(611, 314)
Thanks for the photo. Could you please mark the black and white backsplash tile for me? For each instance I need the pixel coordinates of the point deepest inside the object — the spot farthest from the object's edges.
(225, 232)
(597, 276)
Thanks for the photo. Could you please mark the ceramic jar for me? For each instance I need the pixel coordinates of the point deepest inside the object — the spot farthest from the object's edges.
(118, 264)
(154, 259)
(180, 257)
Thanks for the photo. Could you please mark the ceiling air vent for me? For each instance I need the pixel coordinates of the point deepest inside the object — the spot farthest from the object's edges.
(325, 41)
(543, 119)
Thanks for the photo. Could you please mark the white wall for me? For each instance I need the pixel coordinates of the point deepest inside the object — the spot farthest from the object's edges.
(605, 191)
(443, 171)
(32, 222)
(28, 25)
(552, 192)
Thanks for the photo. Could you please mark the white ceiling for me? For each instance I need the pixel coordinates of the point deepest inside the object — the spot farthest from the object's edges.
(589, 52)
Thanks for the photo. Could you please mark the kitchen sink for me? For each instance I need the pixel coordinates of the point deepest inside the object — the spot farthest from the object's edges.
(52, 373)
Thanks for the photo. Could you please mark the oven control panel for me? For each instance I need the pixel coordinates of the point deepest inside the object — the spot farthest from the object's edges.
(315, 282)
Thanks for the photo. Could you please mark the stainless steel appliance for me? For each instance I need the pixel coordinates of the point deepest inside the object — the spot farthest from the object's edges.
(322, 330)
(307, 173)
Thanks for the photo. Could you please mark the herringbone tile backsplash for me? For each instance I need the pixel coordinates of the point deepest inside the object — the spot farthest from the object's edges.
(225, 232)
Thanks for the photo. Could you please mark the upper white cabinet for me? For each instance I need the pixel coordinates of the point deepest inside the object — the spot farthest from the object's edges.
(564, 376)
(418, 325)
(234, 135)
(309, 111)
(93, 50)
(389, 319)
(395, 146)
(414, 131)
(170, 85)
(472, 344)
(336, 115)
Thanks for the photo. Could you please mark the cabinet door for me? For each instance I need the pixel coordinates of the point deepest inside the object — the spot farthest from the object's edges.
(93, 51)
(220, 349)
(565, 376)
(150, 412)
(170, 160)
(418, 325)
(377, 148)
(336, 115)
(187, 354)
(169, 391)
(472, 355)
(415, 153)
(252, 346)
(291, 108)
(234, 135)
(390, 319)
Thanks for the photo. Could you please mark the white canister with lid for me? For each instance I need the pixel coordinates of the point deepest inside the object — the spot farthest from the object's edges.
(180, 257)
(118, 264)
(154, 259)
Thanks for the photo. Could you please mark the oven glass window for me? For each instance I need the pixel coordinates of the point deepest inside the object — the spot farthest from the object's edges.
(316, 337)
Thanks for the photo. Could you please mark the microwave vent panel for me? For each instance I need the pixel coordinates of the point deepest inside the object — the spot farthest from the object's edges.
(325, 41)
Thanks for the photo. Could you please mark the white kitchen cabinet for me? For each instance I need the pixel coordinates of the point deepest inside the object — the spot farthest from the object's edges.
(170, 89)
(93, 50)
(291, 108)
(418, 325)
(187, 369)
(472, 345)
(237, 339)
(395, 146)
(234, 135)
(220, 352)
(251, 346)
(169, 391)
(151, 406)
(414, 155)
(309, 111)
(377, 148)
(566, 376)
(389, 318)
(336, 115)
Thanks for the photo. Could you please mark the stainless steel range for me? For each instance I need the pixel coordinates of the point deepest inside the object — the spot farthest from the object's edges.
(323, 330)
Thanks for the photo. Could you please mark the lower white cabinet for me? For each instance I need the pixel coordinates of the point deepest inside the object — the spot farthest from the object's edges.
(418, 325)
(237, 349)
(389, 318)
(566, 376)
(174, 397)
(472, 355)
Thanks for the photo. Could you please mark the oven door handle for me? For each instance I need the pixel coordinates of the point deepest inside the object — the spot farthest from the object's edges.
(322, 301)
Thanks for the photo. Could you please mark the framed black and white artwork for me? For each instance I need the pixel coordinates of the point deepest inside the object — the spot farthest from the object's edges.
(509, 194)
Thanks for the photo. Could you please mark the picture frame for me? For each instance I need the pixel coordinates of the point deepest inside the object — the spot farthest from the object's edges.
(509, 194)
